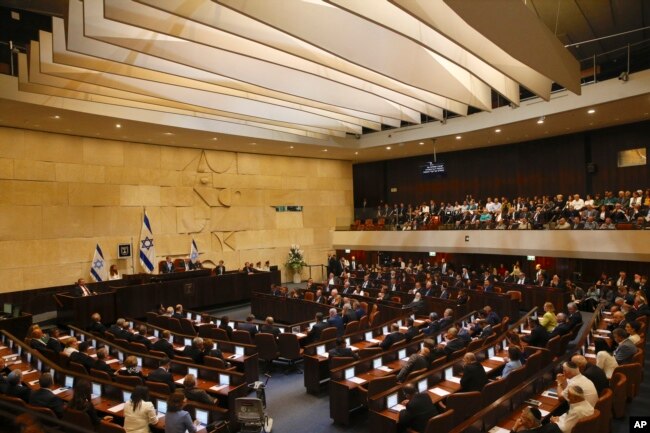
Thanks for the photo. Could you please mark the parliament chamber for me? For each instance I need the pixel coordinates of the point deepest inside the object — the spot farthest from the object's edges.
(324, 216)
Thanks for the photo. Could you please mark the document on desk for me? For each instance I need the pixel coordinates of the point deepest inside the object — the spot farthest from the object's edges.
(112, 361)
(117, 408)
(525, 331)
(454, 379)
(372, 340)
(218, 387)
(497, 429)
(543, 412)
(59, 391)
(550, 393)
(487, 369)
(357, 380)
(497, 358)
(385, 368)
(179, 381)
(439, 391)
(397, 408)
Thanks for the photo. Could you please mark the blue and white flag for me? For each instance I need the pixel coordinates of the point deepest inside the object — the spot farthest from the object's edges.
(194, 252)
(98, 269)
(147, 253)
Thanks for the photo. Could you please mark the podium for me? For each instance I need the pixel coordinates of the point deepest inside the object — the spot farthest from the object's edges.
(78, 309)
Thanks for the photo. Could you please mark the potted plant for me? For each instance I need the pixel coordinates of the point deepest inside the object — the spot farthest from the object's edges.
(295, 262)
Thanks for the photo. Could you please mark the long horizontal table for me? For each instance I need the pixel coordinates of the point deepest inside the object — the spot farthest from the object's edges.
(137, 294)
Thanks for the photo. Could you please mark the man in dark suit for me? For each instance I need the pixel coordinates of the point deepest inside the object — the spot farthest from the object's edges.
(319, 298)
(119, 329)
(37, 341)
(195, 350)
(195, 394)
(80, 288)
(100, 363)
(163, 344)
(474, 376)
(168, 266)
(220, 269)
(575, 317)
(162, 374)
(417, 304)
(15, 388)
(269, 328)
(394, 337)
(454, 343)
(341, 351)
(591, 372)
(224, 324)
(563, 327)
(178, 312)
(44, 397)
(417, 361)
(538, 336)
(337, 321)
(53, 342)
(248, 325)
(491, 316)
(419, 408)
(96, 326)
(412, 331)
(141, 337)
(432, 326)
(81, 356)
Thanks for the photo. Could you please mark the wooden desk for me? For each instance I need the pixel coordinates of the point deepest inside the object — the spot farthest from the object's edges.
(78, 309)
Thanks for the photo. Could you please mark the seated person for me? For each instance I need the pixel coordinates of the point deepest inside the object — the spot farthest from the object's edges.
(162, 374)
(538, 336)
(141, 337)
(195, 350)
(248, 325)
(412, 331)
(44, 397)
(81, 356)
(53, 342)
(431, 324)
(223, 324)
(163, 344)
(269, 327)
(418, 409)
(15, 387)
(195, 394)
(131, 368)
(178, 312)
(100, 363)
(80, 288)
(453, 344)
(336, 321)
(96, 326)
(314, 333)
(38, 340)
(394, 337)
(71, 346)
(530, 421)
(578, 408)
(474, 376)
(81, 400)
(513, 361)
(417, 361)
(340, 350)
(625, 350)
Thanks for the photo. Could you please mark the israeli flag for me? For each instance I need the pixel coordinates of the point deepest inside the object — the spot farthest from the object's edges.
(98, 269)
(194, 252)
(147, 252)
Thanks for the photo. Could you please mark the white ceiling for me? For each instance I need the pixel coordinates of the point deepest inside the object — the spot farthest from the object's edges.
(279, 77)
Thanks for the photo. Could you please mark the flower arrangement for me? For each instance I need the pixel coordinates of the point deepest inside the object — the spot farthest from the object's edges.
(295, 258)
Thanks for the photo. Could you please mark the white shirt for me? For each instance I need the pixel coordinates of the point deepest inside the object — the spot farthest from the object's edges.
(606, 362)
(138, 421)
(591, 395)
(577, 411)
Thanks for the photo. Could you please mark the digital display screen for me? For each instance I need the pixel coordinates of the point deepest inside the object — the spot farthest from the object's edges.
(401, 354)
(349, 372)
(320, 349)
(239, 350)
(391, 400)
(224, 379)
(432, 169)
(161, 406)
(97, 390)
(126, 396)
(69, 381)
(202, 416)
(368, 335)
(376, 363)
(422, 385)
(193, 371)
(449, 372)
(490, 352)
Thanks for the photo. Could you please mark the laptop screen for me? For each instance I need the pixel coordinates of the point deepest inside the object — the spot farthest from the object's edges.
(391, 400)
(139, 361)
(97, 390)
(490, 352)
(189, 316)
(385, 330)
(239, 350)
(295, 329)
(193, 371)
(69, 381)
(320, 349)
(376, 363)
(401, 354)
(224, 379)
(349, 372)
(187, 341)
(449, 372)
(422, 385)
(368, 335)
(126, 396)
(202, 416)
(161, 406)
(156, 333)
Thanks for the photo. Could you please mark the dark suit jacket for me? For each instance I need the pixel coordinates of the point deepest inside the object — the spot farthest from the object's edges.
(411, 332)
(162, 375)
(538, 337)
(46, 398)
(97, 327)
(560, 329)
(220, 270)
(167, 268)
(417, 413)
(337, 322)
(83, 359)
(196, 394)
(21, 391)
(575, 319)
(226, 327)
(454, 345)
(314, 333)
(415, 362)
(269, 329)
(342, 353)
(137, 338)
(597, 376)
(250, 327)
(165, 346)
(194, 353)
(101, 365)
(474, 378)
(78, 291)
(55, 345)
(392, 338)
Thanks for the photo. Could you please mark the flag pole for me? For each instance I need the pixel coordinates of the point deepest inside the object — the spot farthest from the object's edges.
(132, 256)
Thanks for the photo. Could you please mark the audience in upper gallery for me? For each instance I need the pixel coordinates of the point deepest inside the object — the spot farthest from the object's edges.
(523, 212)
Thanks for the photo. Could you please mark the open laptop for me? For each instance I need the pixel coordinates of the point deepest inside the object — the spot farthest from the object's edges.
(202, 416)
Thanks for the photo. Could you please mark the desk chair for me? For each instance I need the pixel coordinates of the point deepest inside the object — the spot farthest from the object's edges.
(250, 414)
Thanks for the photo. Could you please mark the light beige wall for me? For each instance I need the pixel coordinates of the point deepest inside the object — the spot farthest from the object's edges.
(60, 195)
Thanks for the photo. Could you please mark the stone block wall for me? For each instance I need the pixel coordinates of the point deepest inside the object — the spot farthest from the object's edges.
(61, 194)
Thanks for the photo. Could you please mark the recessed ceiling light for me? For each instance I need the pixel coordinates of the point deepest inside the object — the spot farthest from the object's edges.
(356, 153)
(290, 147)
(56, 117)
(387, 147)
(168, 133)
(497, 130)
(591, 111)
(421, 143)
(117, 125)
(324, 150)
(253, 143)
(541, 120)
(214, 138)
(458, 137)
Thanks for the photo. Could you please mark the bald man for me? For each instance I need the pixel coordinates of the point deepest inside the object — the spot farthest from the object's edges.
(591, 372)
(474, 376)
